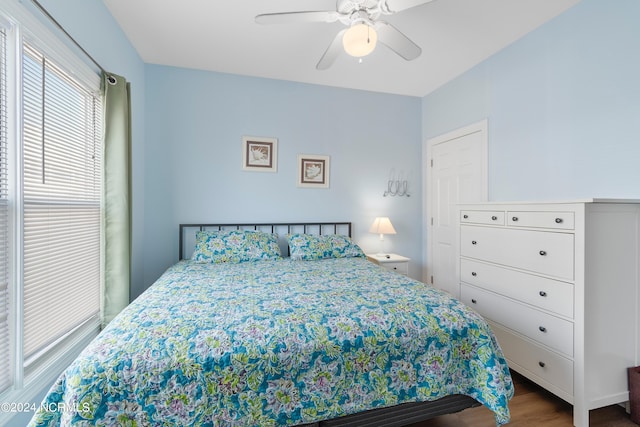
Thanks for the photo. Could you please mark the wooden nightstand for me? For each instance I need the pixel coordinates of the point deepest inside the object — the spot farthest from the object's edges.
(391, 262)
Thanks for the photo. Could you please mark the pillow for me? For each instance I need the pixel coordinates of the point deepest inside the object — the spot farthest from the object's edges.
(235, 246)
(311, 247)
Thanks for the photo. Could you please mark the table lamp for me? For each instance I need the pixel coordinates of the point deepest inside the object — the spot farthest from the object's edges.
(382, 225)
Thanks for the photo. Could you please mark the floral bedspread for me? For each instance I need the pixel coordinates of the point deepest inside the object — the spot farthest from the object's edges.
(278, 343)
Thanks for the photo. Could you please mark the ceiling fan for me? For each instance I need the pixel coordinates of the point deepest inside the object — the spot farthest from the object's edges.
(364, 27)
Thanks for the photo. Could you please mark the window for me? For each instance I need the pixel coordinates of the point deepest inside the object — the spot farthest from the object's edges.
(5, 354)
(61, 202)
(50, 205)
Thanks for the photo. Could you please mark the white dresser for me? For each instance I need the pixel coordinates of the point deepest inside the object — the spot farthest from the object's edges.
(559, 283)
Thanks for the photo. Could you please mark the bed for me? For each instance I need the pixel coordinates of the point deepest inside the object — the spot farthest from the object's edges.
(238, 335)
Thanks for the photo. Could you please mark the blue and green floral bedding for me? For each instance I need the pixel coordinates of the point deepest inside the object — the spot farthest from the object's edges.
(278, 343)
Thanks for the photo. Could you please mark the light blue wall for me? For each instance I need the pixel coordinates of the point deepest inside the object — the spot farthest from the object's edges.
(195, 123)
(563, 105)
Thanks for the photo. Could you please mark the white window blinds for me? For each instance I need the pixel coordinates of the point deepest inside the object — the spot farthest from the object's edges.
(61, 203)
(5, 355)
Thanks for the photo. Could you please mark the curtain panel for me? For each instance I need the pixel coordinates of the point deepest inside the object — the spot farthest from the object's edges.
(116, 228)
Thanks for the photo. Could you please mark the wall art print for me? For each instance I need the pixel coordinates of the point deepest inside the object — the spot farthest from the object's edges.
(259, 154)
(313, 171)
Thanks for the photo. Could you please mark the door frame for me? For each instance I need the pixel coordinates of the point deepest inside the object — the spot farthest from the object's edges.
(427, 153)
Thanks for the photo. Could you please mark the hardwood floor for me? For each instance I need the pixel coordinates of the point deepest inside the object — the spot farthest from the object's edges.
(532, 406)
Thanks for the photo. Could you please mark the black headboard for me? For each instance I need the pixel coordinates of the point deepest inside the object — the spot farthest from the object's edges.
(188, 231)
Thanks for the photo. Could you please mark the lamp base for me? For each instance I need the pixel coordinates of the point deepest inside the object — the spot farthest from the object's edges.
(381, 253)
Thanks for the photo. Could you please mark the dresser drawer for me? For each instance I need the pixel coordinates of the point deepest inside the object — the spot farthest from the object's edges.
(544, 328)
(558, 220)
(544, 252)
(523, 354)
(398, 267)
(547, 294)
(482, 217)
(391, 262)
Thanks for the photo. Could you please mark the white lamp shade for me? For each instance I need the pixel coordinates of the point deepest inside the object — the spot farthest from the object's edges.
(360, 40)
(382, 225)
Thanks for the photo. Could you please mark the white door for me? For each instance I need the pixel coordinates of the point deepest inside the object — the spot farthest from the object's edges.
(456, 172)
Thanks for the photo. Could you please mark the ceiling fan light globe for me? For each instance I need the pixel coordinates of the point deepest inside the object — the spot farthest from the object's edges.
(360, 40)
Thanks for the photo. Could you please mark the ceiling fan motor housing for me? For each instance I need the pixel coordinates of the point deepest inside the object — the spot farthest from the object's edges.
(356, 8)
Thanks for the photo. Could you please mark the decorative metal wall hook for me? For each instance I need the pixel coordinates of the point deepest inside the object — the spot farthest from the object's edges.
(397, 186)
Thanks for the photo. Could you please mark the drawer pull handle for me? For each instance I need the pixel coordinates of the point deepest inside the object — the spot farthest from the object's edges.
(542, 293)
(494, 218)
(473, 242)
(514, 219)
(465, 216)
(474, 274)
(558, 220)
(542, 364)
(473, 300)
(543, 253)
(542, 329)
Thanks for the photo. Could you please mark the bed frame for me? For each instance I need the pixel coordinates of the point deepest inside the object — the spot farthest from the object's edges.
(188, 232)
(395, 416)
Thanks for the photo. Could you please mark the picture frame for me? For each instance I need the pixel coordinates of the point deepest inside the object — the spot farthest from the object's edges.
(313, 171)
(259, 154)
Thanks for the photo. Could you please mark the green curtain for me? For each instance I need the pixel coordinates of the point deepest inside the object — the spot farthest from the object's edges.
(116, 238)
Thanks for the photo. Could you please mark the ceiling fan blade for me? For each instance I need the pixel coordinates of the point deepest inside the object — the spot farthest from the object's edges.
(296, 17)
(332, 52)
(399, 5)
(389, 36)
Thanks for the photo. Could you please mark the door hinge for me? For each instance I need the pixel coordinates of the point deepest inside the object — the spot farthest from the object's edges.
(432, 280)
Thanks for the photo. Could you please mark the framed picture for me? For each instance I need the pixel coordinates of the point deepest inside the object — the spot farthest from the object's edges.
(313, 171)
(259, 154)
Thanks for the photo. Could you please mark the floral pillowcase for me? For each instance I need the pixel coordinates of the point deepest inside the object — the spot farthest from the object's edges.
(308, 247)
(235, 246)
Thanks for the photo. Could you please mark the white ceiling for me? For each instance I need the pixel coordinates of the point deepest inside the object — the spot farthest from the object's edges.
(222, 36)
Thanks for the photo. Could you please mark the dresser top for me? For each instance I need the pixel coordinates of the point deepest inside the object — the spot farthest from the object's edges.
(556, 202)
